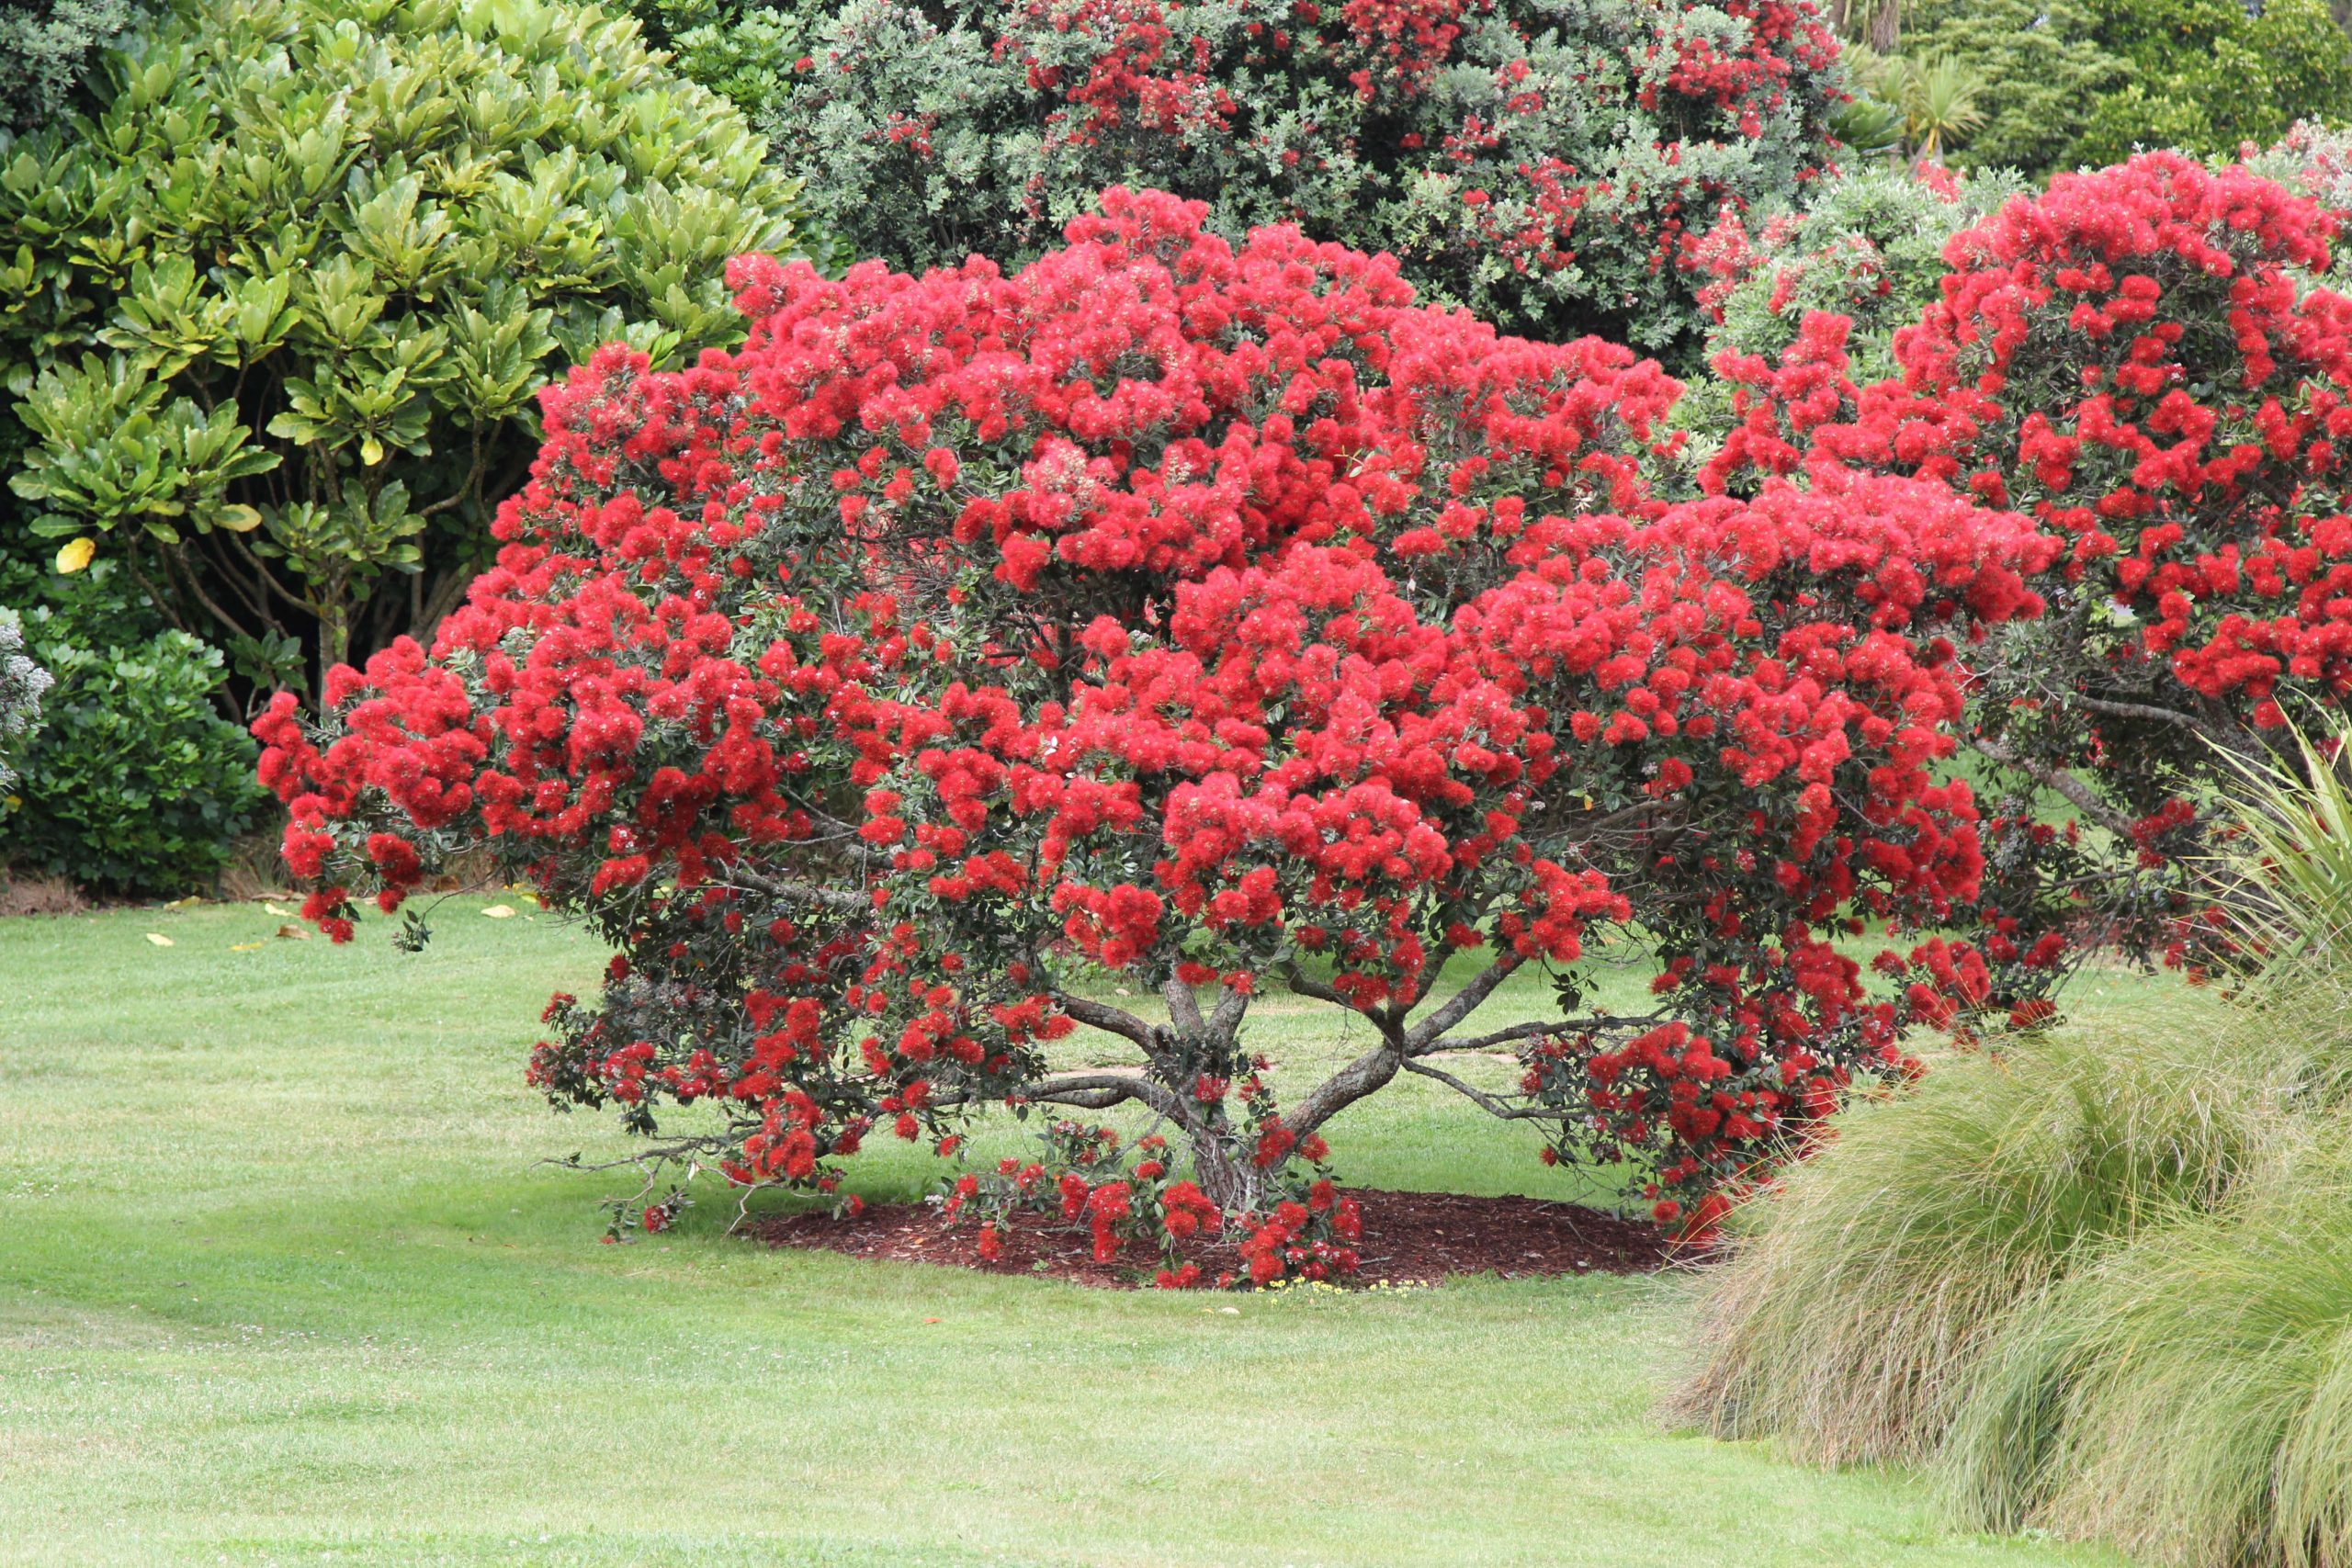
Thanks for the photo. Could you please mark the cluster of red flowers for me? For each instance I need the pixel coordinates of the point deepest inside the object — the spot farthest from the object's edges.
(1131, 1205)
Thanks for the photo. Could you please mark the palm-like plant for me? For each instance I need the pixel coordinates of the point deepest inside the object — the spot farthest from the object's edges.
(1938, 96)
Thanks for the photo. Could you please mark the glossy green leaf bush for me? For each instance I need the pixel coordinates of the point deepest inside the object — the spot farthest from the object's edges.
(279, 310)
(133, 781)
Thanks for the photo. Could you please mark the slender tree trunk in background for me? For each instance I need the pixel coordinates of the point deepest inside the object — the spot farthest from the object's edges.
(1886, 25)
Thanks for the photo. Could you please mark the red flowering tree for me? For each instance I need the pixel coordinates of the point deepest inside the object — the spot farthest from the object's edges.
(2140, 360)
(1215, 618)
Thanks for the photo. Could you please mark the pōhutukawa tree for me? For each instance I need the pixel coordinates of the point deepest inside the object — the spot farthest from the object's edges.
(2140, 358)
(1213, 617)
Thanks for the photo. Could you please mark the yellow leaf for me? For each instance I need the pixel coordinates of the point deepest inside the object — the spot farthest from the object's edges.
(245, 946)
(75, 555)
(240, 519)
(498, 912)
(160, 940)
(272, 909)
(371, 451)
(191, 902)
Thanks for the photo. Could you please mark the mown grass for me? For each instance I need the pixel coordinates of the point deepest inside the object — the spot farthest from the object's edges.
(281, 1281)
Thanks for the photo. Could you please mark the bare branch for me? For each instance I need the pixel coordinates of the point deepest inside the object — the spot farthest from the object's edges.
(793, 891)
(2065, 783)
(1591, 1023)
(1110, 1020)
(1183, 1007)
(1464, 1002)
(1298, 982)
(1366, 1075)
(1230, 1007)
(1487, 1102)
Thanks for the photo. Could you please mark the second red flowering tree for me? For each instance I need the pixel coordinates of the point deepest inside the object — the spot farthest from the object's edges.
(2140, 360)
(1212, 618)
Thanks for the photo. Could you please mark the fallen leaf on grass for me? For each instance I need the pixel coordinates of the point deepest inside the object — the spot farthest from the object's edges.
(160, 940)
(191, 902)
(269, 907)
(245, 946)
(498, 912)
(293, 933)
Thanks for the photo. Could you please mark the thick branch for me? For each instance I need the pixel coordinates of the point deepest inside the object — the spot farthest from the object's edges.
(797, 892)
(2065, 783)
(1592, 1023)
(1366, 1075)
(1183, 1008)
(1226, 1021)
(1298, 981)
(1110, 1020)
(1464, 1002)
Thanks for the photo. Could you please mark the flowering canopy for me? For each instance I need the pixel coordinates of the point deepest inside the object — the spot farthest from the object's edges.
(1215, 616)
(2138, 360)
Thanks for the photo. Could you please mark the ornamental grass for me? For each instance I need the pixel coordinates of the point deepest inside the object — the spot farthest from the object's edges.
(2100, 1285)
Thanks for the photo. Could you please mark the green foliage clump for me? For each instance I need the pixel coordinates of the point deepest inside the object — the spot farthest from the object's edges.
(2209, 75)
(2071, 84)
(1538, 162)
(47, 48)
(1867, 246)
(280, 306)
(745, 51)
(2042, 65)
(134, 781)
(22, 682)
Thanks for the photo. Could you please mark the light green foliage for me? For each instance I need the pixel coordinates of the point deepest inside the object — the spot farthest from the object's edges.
(2044, 68)
(2082, 82)
(742, 49)
(47, 47)
(2207, 76)
(1869, 246)
(282, 1280)
(22, 682)
(277, 312)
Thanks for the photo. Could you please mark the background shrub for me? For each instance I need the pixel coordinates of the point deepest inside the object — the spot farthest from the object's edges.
(284, 301)
(134, 781)
(47, 48)
(22, 682)
(1542, 163)
(2071, 84)
(1867, 246)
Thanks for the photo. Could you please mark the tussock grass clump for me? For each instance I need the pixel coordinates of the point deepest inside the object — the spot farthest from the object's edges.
(1852, 1316)
(2189, 1395)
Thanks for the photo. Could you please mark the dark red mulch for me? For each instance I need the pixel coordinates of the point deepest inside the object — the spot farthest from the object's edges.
(1408, 1238)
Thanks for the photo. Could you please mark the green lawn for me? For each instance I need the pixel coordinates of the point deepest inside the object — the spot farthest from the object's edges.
(280, 1281)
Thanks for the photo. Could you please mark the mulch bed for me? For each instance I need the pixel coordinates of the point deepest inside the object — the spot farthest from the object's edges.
(1408, 1239)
